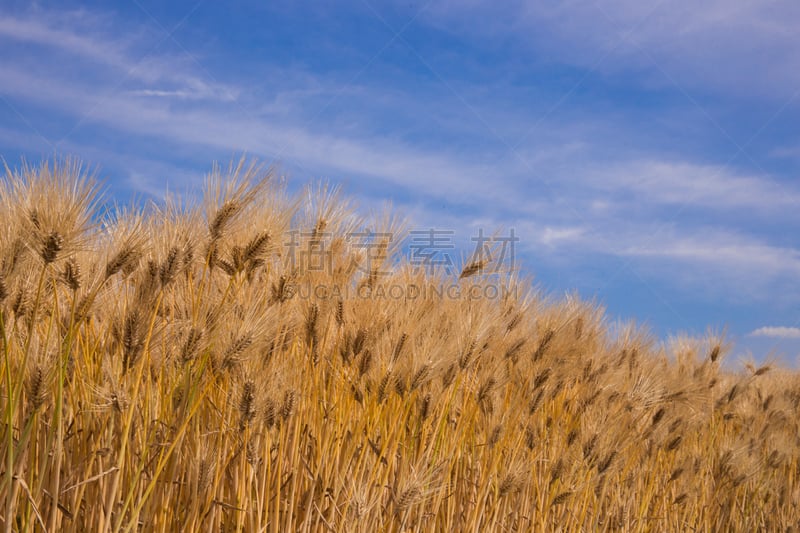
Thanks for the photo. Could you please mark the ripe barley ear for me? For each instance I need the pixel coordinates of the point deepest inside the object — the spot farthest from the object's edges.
(192, 344)
(288, 406)
(169, 268)
(530, 437)
(514, 349)
(572, 436)
(543, 344)
(674, 443)
(715, 351)
(542, 378)
(557, 471)
(472, 268)
(398, 347)
(762, 370)
(465, 358)
(400, 386)
(132, 343)
(340, 312)
(658, 416)
(36, 389)
(535, 401)
(485, 390)
(424, 406)
(247, 404)
(217, 226)
(359, 341)
(383, 386)
(270, 412)
(365, 363)
(232, 355)
(72, 274)
(311, 324)
(561, 498)
(494, 437)
(52, 245)
(420, 377)
(606, 462)
(122, 261)
(588, 446)
(256, 247)
(449, 375)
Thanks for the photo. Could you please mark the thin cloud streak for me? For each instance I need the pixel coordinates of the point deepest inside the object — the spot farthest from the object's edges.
(30, 30)
(724, 252)
(126, 56)
(779, 332)
(727, 46)
(682, 183)
(226, 129)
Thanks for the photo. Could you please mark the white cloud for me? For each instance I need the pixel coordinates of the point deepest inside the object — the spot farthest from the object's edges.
(780, 332)
(683, 183)
(457, 175)
(80, 43)
(195, 93)
(788, 152)
(726, 253)
(732, 46)
(551, 236)
(75, 34)
(421, 172)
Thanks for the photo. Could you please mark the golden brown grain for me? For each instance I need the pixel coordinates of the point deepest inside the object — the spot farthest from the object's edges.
(151, 389)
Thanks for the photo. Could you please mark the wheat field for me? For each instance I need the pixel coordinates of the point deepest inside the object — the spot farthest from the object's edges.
(178, 367)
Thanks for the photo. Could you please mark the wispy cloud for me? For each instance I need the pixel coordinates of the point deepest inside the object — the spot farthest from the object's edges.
(728, 46)
(788, 152)
(684, 183)
(42, 29)
(123, 55)
(191, 91)
(781, 332)
(231, 128)
(459, 175)
(720, 262)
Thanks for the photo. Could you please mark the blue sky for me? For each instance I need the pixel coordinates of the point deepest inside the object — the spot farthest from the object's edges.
(645, 153)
